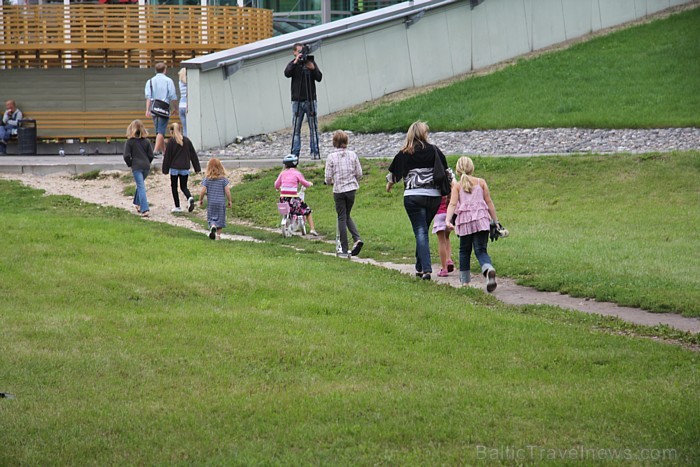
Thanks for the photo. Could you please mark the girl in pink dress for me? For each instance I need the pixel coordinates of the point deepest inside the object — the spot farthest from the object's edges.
(471, 201)
(443, 235)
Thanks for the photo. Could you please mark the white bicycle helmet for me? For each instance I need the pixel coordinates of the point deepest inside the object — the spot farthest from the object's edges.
(290, 160)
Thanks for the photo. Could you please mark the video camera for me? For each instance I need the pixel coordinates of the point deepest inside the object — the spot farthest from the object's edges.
(304, 54)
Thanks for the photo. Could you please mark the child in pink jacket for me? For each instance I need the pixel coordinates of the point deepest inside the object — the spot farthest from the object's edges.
(287, 184)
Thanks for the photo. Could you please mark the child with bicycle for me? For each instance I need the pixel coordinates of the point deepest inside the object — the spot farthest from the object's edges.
(287, 184)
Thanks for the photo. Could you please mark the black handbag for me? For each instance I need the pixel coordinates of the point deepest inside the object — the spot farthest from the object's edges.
(441, 178)
(159, 108)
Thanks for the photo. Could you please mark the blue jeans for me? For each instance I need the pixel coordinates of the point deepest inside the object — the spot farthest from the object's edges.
(421, 210)
(183, 120)
(5, 132)
(479, 241)
(299, 109)
(140, 199)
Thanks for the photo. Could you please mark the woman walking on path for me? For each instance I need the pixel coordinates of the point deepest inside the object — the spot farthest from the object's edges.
(215, 186)
(471, 201)
(414, 165)
(179, 154)
(343, 171)
(138, 154)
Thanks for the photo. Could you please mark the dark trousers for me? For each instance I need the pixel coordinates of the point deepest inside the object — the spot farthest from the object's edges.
(343, 206)
(183, 187)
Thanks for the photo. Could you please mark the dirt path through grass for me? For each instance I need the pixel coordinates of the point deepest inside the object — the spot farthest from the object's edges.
(108, 190)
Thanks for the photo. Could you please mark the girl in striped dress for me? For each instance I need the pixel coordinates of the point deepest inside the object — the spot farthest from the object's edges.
(215, 186)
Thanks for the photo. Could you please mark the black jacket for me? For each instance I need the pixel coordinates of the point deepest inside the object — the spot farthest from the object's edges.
(179, 157)
(299, 88)
(138, 153)
(423, 158)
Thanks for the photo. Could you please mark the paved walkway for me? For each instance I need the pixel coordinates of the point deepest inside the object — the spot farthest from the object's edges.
(511, 293)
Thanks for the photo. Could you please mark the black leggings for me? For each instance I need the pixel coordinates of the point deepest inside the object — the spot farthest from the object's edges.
(183, 187)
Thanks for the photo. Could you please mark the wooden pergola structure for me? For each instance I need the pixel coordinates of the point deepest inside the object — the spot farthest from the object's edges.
(122, 36)
(79, 70)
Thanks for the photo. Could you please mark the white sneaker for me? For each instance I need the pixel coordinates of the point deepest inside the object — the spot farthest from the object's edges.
(314, 233)
(190, 204)
(176, 210)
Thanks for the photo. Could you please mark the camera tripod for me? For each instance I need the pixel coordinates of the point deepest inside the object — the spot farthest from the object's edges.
(311, 115)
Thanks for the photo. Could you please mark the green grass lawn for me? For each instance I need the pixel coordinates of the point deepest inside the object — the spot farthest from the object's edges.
(642, 77)
(620, 228)
(132, 342)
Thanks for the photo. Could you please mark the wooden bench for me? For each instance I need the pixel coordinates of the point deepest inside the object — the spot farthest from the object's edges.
(89, 126)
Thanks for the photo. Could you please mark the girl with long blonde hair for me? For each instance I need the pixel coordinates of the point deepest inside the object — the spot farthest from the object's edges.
(179, 155)
(136, 129)
(471, 201)
(138, 154)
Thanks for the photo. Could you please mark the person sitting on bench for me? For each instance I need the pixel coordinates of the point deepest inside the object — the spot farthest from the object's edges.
(10, 123)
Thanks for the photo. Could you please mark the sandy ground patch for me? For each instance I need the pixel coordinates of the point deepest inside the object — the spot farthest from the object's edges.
(108, 190)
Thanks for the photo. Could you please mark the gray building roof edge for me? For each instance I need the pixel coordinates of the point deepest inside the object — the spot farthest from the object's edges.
(313, 34)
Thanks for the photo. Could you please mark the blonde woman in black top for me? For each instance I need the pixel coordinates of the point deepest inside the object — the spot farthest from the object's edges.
(421, 198)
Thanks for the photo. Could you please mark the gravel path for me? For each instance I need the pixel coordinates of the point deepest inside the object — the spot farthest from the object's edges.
(525, 142)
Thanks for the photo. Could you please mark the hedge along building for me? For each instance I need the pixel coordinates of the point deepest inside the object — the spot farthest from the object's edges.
(243, 92)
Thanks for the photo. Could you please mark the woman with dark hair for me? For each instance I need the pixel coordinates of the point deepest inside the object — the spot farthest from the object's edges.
(414, 165)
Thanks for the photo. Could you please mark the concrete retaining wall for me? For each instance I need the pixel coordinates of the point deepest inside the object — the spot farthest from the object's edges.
(371, 55)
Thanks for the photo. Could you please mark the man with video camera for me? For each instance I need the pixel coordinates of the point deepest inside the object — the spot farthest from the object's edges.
(304, 73)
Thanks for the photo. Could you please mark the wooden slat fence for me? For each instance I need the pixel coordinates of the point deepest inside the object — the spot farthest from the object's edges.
(82, 36)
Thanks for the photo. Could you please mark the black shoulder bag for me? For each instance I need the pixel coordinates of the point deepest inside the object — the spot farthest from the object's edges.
(441, 179)
(159, 108)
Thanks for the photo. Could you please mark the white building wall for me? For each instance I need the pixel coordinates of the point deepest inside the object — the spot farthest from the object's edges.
(369, 56)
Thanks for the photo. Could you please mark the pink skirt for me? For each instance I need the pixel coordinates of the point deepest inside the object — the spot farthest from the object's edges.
(439, 223)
